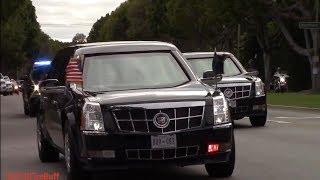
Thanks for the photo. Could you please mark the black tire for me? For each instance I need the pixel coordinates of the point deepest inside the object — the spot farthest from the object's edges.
(258, 121)
(74, 170)
(47, 153)
(32, 112)
(26, 108)
(221, 170)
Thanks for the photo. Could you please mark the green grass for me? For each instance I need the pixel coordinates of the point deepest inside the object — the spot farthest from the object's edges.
(294, 99)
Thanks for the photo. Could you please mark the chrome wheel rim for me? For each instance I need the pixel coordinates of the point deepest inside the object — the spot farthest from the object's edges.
(67, 152)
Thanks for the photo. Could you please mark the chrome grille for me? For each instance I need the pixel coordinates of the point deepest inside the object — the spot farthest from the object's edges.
(162, 154)
(239, 90)
(141, 120)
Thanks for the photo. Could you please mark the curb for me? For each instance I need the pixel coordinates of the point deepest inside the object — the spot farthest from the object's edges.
(297, 108)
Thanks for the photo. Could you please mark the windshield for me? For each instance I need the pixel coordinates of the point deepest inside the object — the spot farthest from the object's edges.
(132, 71)
(205, 64)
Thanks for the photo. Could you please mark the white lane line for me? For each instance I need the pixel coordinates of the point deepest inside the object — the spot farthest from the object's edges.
(283, 117)
(280, 122)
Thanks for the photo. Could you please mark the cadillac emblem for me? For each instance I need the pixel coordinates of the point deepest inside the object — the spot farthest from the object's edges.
(161, 120)
(228, 93)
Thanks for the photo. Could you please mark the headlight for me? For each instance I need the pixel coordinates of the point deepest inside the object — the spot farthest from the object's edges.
(220, 110)
(282, 79)
(36, 87)
(259, 87)
(92, 117)
(16, 87)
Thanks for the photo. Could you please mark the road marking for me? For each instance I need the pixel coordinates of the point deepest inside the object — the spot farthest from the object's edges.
(280, 122)
(283, 117)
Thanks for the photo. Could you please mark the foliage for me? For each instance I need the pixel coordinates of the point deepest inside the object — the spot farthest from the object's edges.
(79, 38)
(21, 37)
(203, 25)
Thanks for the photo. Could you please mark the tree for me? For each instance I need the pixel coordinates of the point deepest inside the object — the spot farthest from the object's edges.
(95, 32)
(79, 38)
(297, 11)
(21, 37)
(203, 25)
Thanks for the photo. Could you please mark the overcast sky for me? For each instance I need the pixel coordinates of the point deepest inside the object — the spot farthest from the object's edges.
(62, 19)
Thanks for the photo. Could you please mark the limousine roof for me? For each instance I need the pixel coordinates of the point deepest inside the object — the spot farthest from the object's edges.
(123, 46)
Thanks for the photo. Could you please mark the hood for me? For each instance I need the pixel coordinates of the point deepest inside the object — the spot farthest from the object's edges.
(237, 79)
(189, 92)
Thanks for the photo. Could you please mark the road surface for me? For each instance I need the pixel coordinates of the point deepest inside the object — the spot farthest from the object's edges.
(288, 148)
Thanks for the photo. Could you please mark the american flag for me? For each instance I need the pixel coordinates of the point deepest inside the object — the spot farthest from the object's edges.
(73, 72)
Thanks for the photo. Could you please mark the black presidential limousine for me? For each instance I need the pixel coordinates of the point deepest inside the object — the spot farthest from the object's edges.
(128, 105)
(243, 90)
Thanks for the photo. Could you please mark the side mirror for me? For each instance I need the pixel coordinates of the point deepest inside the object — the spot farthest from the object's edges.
(208, 74)
(49, 83)
(253, 73)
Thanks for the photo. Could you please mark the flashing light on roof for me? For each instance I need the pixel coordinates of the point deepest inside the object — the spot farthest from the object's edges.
(42, 63)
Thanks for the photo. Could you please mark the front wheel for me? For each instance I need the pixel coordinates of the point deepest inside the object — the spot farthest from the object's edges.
(258, 121)
(47, 153)
(32, 111)
(74, 170)
(222, 169)
(26, 108)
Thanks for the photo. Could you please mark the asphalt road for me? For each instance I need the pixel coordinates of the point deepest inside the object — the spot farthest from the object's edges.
(287, 148)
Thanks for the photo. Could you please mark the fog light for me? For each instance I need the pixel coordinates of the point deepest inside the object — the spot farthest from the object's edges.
(212, 148)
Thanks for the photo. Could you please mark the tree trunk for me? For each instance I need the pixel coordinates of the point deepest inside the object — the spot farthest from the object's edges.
(315, 73)
(266, 62)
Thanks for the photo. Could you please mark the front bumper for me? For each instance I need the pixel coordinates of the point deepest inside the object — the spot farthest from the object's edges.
(92, 145)
(248, 107)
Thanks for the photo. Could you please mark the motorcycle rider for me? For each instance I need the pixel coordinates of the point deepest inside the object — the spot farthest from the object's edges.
(280, 82)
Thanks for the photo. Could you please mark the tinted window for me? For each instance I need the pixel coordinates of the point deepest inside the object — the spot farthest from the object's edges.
(205, 64)
(132, 71)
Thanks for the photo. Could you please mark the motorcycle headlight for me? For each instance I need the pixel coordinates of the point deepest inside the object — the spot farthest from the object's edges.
(220, 111)
(92, 117)
(282, 79)
(259, 88)
(36, 88)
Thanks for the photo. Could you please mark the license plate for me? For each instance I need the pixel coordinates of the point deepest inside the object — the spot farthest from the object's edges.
(164, 141)
(233, 103)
